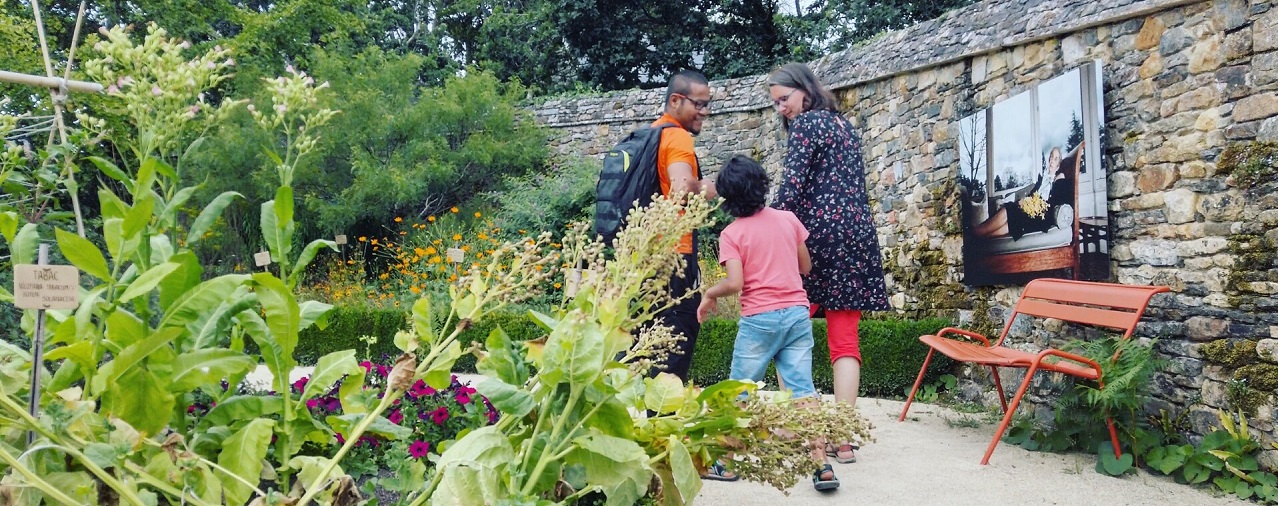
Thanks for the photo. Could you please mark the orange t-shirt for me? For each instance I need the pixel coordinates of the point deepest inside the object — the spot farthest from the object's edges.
(676, 146)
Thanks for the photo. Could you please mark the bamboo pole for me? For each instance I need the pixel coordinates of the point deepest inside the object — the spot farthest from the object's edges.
(49, 82)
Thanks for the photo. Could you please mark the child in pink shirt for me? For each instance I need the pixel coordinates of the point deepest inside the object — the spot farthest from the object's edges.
(763, 252)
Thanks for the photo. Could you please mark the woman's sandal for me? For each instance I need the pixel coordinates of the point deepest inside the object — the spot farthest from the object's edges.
(823, 479)
(717, 472)
(844, 454)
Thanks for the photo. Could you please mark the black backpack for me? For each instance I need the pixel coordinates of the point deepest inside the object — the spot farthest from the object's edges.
(628, 179)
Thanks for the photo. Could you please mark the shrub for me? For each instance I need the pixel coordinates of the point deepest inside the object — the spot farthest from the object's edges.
(890, 349)
(549, 200)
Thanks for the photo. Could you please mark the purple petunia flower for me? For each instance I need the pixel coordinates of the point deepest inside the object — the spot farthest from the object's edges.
(462, 398)
(419, 449)
(312, 403)
(395, 417)
(439, 416)
(300, 384)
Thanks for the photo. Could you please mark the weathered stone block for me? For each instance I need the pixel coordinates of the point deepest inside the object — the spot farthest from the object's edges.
(1155, 252)
(1121, 184)
(1152, 66)
(1206, 55)
(1150, 33)
(1204, 246)
(1259, 106)
(1203, 328)
(1221, 207)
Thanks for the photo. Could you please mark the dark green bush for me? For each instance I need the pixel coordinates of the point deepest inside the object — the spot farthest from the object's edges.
(347, 323)
(890, 349)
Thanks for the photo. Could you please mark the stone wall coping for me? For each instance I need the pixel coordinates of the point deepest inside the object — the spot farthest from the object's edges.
(975, 29)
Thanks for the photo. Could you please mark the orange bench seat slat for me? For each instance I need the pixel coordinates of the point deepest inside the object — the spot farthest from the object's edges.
(1001, 356)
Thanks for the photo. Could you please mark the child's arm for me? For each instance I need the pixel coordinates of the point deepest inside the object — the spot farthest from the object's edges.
(728, 286)
(805, 260)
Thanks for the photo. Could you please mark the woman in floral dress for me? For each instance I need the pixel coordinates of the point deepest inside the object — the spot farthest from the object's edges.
(823, 184)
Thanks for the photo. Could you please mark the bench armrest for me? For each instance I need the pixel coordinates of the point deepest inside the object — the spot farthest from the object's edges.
(965, 333)
(1071, 357)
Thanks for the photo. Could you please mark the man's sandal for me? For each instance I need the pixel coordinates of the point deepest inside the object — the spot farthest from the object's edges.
(717, 472)
(823, 479)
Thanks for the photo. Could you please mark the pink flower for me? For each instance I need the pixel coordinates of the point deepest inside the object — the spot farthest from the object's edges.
(312, 403)
(420, 389)
(439, 416)
(368, 366)
(395, 417)
(462, 398)
(419, 449)
(300, 384)
(341, 440)
(155, 90)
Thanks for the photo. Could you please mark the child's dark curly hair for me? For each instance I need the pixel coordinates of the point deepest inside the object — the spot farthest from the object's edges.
(743, 184)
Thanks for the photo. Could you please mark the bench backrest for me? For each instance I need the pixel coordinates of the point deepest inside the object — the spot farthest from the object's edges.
(1110, 305)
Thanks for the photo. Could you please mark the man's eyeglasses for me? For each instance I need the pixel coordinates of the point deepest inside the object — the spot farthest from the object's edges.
(776, 102)
(699, 105)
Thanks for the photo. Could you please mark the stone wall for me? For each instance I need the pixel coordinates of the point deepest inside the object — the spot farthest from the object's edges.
(1184, 80)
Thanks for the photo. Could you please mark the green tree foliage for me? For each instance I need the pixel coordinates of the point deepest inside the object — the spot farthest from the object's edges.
(19, 54)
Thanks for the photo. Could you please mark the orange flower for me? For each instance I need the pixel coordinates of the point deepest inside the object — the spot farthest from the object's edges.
(557, 285)
(477, 214)
(374, 242)
(419, 252)
(457, 237)
(362, 238)
(454, 209)
(430, 250)
(430, 218)
(465, 247)
(398, 219)
(414, 289)
(482, 236)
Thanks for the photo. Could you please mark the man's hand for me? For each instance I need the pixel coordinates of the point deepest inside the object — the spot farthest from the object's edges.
(708, 304)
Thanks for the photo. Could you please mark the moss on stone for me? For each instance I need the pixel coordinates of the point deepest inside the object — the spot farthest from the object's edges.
(1231, 353)
(1251, 163)
(1260, 377)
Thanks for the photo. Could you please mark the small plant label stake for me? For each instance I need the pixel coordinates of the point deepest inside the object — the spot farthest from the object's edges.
(42, 287)
(262, 259)
(573, 280)
(340, 239)
(455, 255)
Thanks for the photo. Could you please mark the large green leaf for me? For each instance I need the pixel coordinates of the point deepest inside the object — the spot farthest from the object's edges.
(208, 216)
(307, 256)
(5, 295)
(686, 479)
(664, 393)
(25, 243)
(113, 236)
(83, 255)
(210, 331)
(618, 465)
(161, 249)
(146, 176)
(168, 215)
(485, 446)
(328, 370)
(282, 313)
(465, 486)
(141, 399)
(423, 323)
(574, 352)
(313, 312)
(123, 329)
(270, 230)
(132, 358)
(186, 277)
(380, 426)
(8, 225)
(272, 354)
(509, 400)
(207, 367)
(81, 353)
(148, 280)
(113, 172)
(243, 454)
(139, 216)
(439, 374)
(112, 206)
(200, 299)
(354, 397)
(241, 407)
(501, 360)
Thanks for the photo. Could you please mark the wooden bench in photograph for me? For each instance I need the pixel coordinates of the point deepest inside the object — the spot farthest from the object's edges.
(1108, 305)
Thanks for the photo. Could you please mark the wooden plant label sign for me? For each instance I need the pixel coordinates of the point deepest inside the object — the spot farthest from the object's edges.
(456, 255)
(340, 239)
(46, 286)
(572, 282)
(262, 258)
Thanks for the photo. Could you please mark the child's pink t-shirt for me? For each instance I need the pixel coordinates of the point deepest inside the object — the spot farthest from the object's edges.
(767, 244)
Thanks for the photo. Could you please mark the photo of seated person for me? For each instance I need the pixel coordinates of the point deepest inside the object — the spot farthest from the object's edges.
(1032, 213)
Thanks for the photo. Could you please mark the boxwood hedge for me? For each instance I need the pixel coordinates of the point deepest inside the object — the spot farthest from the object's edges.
(890, 348)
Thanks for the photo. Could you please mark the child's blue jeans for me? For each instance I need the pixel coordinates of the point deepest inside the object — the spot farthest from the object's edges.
(782, 334)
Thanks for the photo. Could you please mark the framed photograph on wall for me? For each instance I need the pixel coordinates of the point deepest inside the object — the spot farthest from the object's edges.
(1043, 211)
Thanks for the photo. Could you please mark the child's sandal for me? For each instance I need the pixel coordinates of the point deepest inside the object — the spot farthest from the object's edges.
(824, 480)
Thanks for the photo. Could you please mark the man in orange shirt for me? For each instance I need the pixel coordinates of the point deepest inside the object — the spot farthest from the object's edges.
(687, 104)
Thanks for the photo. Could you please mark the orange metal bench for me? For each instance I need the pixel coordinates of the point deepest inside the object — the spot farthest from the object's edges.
(1109, 305)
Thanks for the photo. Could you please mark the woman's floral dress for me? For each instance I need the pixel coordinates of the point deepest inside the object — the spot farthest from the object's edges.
(823, 184)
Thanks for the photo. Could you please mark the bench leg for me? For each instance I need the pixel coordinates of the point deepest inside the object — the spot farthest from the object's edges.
(1011, 410)
(919, 381)
(998, 384)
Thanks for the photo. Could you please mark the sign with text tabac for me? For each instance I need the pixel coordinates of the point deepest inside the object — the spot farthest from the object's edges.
(46, 286)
